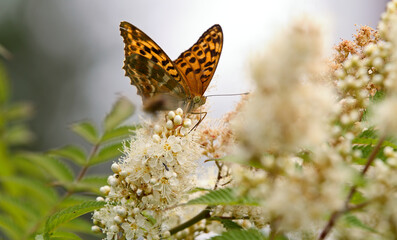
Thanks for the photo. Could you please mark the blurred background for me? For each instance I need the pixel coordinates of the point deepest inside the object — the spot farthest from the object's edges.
(66, 57)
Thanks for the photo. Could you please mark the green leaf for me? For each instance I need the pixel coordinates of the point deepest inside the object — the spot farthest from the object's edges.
(21, 211)
(4, 85)
(118, 134)
(19, 135)
(70, 152)
(149, 217)
(92, 183)
(9, 228)
(225, 196)
(70, 213)
(353, 221)
(107, 153)
(199, 189)
(121, 110)
(65, 236)
(19, 111)
(87, 131)
(358, 198)
(238, 234)
(74, 200)
(227, 223)
(379, 96)
(51, 166)
(80, 225)
(40, 194)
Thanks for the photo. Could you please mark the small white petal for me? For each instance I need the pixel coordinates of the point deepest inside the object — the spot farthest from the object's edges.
(179, 111)
(178, 120)
(157, 129)
(169, 124)
(187, 123)
(156, 138)
(100, 199)
(105, 190)
(116, 168)
(95, 229)
(171, 115)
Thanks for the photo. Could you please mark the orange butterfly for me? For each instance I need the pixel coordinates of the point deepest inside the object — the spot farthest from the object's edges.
(171, 84)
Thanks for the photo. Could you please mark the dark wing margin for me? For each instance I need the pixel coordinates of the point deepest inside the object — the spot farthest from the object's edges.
(198, 63)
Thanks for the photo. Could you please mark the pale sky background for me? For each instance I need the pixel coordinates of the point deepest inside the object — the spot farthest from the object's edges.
(88, 32)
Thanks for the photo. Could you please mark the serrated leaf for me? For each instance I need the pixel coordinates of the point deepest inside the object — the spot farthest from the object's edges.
(70, 213)
(64, 235)
(225, 196)
(51, 166)
(121, 110)
(107, 153)
(355, 222)
(87, 131)
(118, 134)
(227, 223)
(70, 152)
(74, 200)
(238, 234)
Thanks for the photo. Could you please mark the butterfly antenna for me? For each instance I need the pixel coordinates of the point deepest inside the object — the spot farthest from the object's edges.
(228, 94)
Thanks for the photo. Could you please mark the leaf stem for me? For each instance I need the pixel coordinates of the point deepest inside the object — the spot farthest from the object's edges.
(336, 214)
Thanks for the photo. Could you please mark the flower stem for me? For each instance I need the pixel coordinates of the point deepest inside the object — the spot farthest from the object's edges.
(202, 215)
(336, 214)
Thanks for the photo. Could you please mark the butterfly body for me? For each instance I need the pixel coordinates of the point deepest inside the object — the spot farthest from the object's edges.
(171, 84)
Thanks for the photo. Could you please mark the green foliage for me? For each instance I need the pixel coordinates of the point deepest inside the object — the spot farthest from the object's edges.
(366, 142)
(70, 213)
(87, 131)
(353, 221)
(227, 223)
(237, 234)
(121, 110)
(43, 195)
(225, 196)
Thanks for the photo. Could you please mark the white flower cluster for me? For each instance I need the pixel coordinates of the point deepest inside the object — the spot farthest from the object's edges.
(288, 110)
(384, 114)
(157, 170)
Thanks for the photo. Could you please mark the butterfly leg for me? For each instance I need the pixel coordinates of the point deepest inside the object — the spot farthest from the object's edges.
(201, 119)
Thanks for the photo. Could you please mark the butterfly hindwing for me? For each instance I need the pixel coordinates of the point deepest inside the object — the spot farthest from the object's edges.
(149, 67)
(199, 62)
(151, 79)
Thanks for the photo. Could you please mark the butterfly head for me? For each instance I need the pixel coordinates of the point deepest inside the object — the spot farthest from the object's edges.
(198, 101)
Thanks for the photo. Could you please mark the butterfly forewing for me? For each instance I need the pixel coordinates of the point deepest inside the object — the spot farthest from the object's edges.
(143, 57)
(198, 63)
(162, 83)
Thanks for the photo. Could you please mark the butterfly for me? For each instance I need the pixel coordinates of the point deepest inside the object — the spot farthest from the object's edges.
(164, 84)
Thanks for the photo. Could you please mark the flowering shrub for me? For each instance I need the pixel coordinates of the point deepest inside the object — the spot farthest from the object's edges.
(309, 154)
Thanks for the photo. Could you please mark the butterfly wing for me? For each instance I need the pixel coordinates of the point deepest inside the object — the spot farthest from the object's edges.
(198, 63)
(149, 67)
